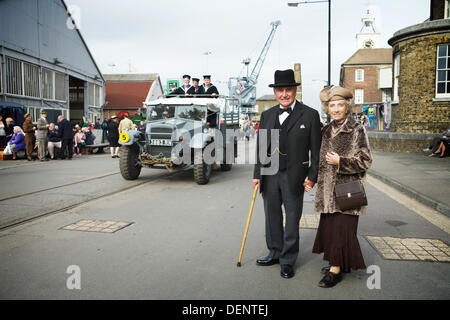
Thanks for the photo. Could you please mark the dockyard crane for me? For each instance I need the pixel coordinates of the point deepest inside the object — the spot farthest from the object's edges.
(244, 88)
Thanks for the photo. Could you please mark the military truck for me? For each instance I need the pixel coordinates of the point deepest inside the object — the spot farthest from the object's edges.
(183, 134)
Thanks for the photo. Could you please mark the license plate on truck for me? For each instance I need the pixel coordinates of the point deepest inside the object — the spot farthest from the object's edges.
(161, 142)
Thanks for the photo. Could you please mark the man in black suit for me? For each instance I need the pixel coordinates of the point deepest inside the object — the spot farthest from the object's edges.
(185, 90)
(282, 179)
(66, 134)
(208, 87)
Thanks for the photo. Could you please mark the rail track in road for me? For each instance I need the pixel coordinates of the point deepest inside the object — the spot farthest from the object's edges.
(138, 183)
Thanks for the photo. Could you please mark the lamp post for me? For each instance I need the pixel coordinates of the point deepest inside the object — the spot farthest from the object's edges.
(207, 53)
(295, 4)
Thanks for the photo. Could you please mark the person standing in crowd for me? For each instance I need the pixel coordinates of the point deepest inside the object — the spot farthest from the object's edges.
(344, 156)
(141, 126)
(113, 136)
(299, 136)
(42, 127)
(208, 87)
(29, 130)
(66, 134)
(54, 140)
(97, 125)
(2, 133)
(17, 141)
(9, 128)
(125, 124)
(105, 129)
(185, 89)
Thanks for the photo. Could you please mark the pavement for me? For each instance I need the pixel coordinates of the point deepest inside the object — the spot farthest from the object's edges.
(182, 240)
(424, 178)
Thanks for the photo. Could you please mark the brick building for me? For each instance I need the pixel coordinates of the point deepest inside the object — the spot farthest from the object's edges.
(128, 92)
(421, 55)
(421, 83)
(368, 74)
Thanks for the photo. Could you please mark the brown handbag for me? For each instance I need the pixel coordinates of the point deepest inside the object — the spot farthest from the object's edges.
(350, 195)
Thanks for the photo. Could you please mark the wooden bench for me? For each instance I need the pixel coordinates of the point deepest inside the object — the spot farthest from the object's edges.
(98, 146)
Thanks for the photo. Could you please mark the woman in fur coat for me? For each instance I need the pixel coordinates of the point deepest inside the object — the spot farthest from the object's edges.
(344, 156)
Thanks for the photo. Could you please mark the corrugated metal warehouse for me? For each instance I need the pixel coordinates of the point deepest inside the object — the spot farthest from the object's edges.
(46, 64)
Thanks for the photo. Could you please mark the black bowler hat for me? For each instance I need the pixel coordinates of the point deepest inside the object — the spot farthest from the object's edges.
(196, 79)
(186, 76)
(207, 76)
(284, 78)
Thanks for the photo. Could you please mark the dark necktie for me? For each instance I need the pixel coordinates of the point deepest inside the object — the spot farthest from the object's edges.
(288, 110)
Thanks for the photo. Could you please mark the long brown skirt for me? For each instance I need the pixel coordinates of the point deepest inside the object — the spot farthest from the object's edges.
(336, 238)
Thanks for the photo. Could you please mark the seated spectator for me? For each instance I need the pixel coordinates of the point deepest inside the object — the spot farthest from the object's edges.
(17, 141)
(79, 141)
(438, 143)
(2, 133)
(89, 137)
(442, 151)
(54, 140)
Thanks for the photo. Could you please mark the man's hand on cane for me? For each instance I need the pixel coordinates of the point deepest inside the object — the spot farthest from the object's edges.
(255, 182)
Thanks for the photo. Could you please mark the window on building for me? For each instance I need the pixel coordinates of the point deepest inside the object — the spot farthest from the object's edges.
(396, 76)
(1, 76)
(13, 76)
(31, 81)
(359, 75)
(443, 71)
(359, 96)
(60, 86)
(387, 95)
(447, 9)
(48, 84)
(91, 89)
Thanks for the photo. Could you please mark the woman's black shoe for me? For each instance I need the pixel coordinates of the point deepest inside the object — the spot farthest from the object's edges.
(330, 280)
(325, 269)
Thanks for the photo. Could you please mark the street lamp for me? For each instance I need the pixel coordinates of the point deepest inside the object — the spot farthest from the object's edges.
(295, 4)
(207, 53)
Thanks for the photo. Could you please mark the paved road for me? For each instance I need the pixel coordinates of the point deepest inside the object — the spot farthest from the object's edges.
(184, 243)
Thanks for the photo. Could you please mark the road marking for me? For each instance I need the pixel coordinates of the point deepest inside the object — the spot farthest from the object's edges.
(104, 226)
(410, 249)
(438, 219)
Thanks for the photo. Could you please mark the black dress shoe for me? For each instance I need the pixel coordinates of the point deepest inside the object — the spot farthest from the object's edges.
(287, 271)
(330, 280)
(267, 261)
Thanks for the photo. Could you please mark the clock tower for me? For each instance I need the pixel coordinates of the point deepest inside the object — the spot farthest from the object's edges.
(367, 37)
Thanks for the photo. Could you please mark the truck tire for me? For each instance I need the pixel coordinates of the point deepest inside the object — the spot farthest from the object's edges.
(128, 162)
(202, 171)
(225, 166)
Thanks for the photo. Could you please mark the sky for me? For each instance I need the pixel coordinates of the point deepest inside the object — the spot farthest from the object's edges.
(171, 37)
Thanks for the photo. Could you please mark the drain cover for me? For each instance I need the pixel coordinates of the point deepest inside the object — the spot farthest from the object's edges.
(104, 226)
(413, 249)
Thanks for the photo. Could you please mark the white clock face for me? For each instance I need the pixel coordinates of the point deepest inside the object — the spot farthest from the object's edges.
(368, 43)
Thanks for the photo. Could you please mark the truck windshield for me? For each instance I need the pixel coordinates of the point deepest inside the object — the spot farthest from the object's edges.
(161, 112)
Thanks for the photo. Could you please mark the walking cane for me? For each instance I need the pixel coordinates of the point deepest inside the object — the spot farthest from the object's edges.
(248, 224)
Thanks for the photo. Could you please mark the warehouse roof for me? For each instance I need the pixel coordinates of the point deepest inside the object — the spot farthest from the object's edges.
(131, 77)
